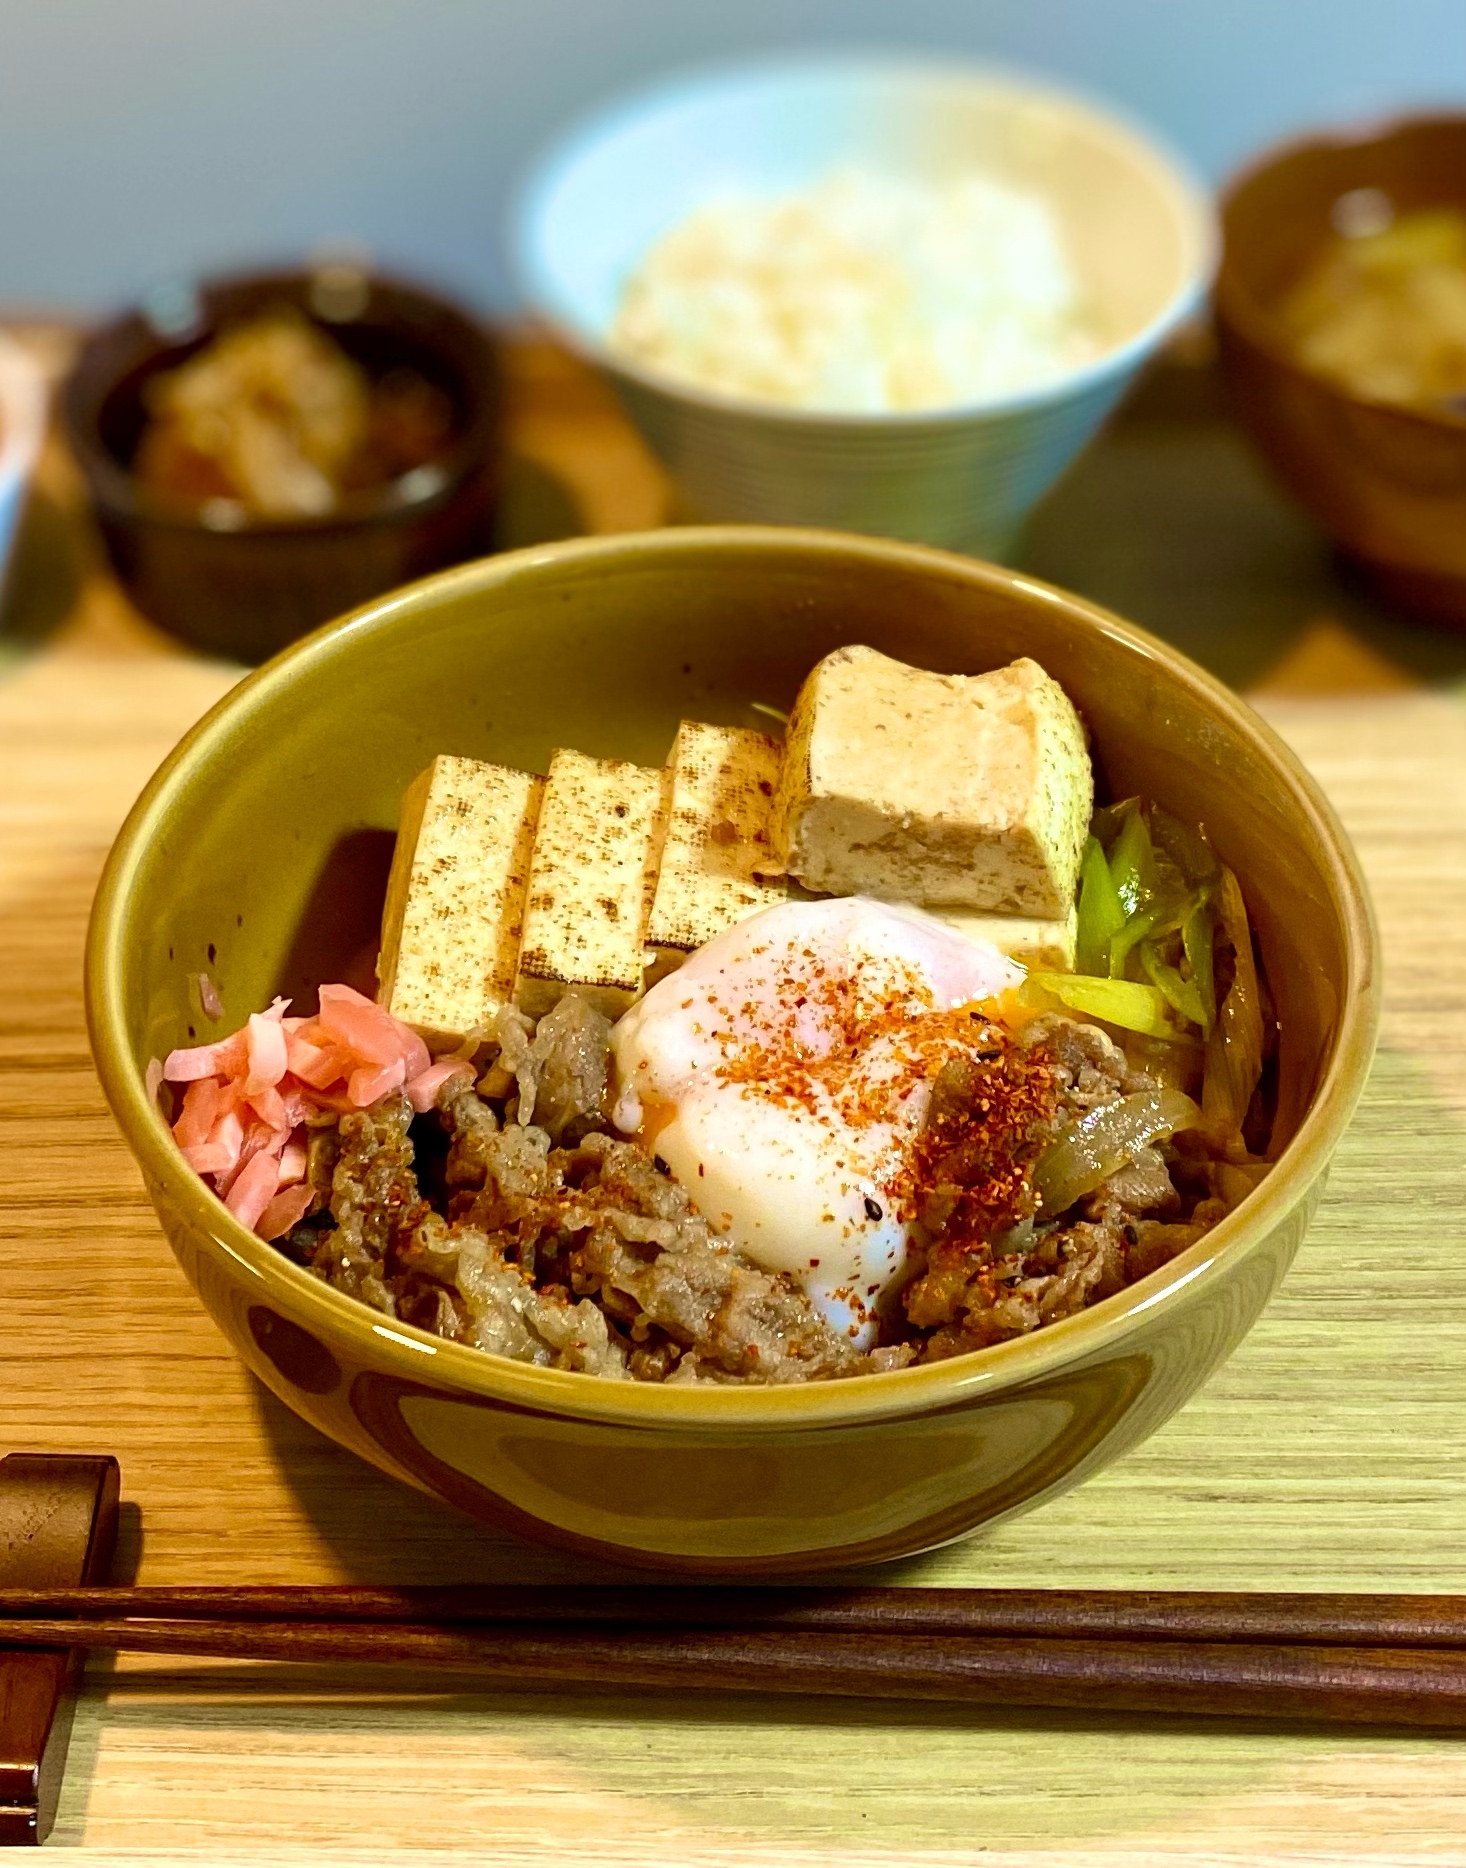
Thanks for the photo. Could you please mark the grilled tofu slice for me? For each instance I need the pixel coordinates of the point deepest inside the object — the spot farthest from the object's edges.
(1049, 945)
(455, 898)
(968, 791)
(592, 876)
(718, 864)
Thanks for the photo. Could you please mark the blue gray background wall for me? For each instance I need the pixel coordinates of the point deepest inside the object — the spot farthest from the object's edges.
(141, 137)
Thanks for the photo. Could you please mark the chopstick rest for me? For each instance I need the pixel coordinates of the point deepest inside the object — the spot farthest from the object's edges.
(58, 1528)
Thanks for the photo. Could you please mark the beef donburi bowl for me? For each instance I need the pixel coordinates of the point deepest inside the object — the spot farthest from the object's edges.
(927, 1403)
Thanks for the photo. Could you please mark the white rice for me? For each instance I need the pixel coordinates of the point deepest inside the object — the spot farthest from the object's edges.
(863, 293)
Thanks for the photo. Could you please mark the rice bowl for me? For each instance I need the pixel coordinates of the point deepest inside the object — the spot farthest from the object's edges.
(1139, 232)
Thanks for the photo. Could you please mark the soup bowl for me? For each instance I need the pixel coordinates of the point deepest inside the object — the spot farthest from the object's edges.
(1387, 482)
(259, 851)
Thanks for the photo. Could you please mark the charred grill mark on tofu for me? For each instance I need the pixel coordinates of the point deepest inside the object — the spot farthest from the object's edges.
(715, 862)
(592, 870)
(455, 898)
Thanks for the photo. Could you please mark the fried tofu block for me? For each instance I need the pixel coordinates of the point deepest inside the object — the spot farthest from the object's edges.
(1050, 946)
(591, 879)
(718, 864)
(970, 791)
(455, 898)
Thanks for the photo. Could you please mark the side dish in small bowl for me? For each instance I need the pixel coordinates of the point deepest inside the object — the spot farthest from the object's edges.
(265, 452)
(770, 1048)
(1341, 314)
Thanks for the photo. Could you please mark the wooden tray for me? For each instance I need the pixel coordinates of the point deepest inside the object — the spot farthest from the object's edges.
(1331, 1452)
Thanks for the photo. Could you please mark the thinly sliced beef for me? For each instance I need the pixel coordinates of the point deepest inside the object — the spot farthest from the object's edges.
(551, 1241)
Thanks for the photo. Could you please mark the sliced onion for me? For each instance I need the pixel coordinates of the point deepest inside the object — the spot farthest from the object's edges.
(1234, 1048)
(1100, 1143)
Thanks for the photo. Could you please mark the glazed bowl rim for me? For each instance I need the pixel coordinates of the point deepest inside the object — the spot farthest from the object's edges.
(1192, 202)
(427, 1360)
(1249, 316)
(117, 491)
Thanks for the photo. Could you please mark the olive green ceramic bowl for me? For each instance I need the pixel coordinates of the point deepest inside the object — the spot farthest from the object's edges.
(258, 853)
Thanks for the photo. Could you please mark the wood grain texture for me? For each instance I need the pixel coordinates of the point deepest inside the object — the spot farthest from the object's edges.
(1310, 1618)
(58, 1526)
(1414, 1687)
(1330, 1453)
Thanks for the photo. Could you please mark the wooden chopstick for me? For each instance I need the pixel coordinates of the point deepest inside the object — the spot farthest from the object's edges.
(1329, 1685)
(1304, 1619)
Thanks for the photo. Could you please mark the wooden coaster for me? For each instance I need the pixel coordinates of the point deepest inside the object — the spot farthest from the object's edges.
(58, 1527)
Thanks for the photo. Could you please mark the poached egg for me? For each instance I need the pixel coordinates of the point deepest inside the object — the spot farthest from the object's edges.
(784, 1074)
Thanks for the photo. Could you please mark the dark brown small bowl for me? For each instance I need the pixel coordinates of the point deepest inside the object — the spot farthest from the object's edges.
(1388, 483)
(247, 590)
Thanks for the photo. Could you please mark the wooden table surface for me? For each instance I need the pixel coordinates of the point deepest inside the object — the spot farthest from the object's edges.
(1331, 1451)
